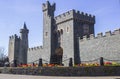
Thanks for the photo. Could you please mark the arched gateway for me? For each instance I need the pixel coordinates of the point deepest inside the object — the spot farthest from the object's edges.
(57, 57)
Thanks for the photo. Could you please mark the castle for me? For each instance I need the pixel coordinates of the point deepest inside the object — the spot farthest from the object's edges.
(69, 35)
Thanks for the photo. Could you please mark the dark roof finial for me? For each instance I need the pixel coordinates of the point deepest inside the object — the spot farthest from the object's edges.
(48, 2)
(24, 27)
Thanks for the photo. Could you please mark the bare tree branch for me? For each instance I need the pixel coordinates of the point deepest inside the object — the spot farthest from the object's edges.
(2, 53)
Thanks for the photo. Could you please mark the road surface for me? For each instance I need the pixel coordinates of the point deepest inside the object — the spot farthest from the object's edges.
(10, 76)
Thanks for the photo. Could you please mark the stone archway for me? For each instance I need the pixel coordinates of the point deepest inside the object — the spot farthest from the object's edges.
(57, 59)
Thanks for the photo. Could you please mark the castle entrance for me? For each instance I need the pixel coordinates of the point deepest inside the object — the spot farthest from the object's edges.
(57, 57)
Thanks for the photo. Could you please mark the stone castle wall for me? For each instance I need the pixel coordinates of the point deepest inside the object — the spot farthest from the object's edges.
(107, 46)
(34, 54)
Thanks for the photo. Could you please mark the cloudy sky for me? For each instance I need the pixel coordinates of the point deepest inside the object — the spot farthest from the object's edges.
(13, 14)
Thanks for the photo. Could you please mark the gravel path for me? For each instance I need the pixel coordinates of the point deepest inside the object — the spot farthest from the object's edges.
(9, 76)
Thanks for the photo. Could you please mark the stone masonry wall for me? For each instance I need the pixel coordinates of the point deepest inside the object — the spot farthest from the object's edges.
(107, 46)
(67, 40)
(34, 54)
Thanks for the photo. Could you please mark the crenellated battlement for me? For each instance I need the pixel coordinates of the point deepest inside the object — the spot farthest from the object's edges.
(72, 14)
(100, 35)
(35, 48)
(47, 5)
(13, 37)
(108, 33)
(64, 17)
(117, 31)
(84, 16)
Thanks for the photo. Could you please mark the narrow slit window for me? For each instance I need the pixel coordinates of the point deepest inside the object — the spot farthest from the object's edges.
(61, 31)
(46, 33)
(67, 29)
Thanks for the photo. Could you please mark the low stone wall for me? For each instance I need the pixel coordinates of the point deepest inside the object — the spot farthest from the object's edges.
(65, 71)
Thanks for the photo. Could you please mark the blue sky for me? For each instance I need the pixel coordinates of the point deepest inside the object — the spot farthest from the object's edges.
(13, 13)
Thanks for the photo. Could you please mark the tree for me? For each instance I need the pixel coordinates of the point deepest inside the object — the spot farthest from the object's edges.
(2, 56)
(2, 53)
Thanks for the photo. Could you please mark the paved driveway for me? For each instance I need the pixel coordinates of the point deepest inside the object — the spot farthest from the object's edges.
(8, 76)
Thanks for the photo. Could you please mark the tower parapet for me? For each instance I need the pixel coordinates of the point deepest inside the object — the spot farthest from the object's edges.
(47, 5)
(84, 17)
(64, 17)
(72, 14)
(13, 37)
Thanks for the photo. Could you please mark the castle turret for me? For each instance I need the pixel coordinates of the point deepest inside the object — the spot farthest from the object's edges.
(23, 44)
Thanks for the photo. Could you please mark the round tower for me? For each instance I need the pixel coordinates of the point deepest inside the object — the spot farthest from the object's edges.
(23, 44)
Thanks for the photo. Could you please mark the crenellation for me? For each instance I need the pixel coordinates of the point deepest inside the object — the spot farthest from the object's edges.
(41, 47)
(67, 13)
(13, 36)
(35, 48)
(10, 37)
(59, 16)
(32, 49)
(99, 35)
(93, 16)
(65, 16)
(82, 13)
(85, 37)
(47, 5)
(29, 49)
(78, 12)
(43, 4)
(108, 33)
(90, 15)
(75, 14)
(117, 31)
(92, 36)
(84, 16)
